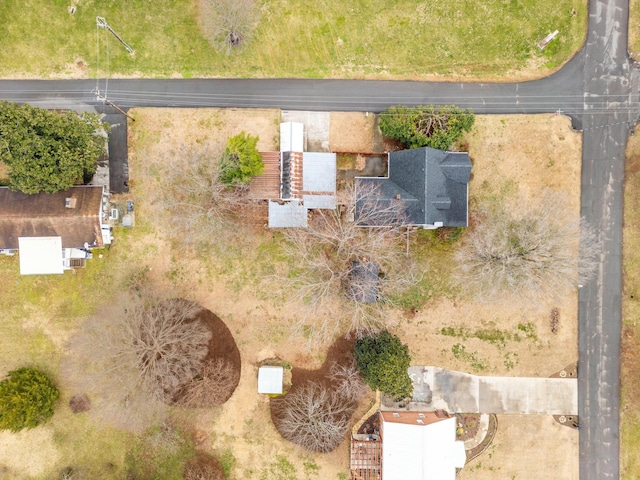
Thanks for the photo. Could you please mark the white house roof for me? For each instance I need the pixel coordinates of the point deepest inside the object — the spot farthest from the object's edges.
(421, 452)
(40, 255)
(270, 379)
(291, 137)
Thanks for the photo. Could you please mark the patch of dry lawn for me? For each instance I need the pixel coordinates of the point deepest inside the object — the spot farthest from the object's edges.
(630, 382)
(28, 452)
(514, 157)
(351, 132)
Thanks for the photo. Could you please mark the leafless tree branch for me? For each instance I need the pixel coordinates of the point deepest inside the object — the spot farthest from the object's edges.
(313, 418)
(348, 381)
(194, 202)
(227, 24)
(540, 252)
(212, 386)
(134, 355)
(324, 256)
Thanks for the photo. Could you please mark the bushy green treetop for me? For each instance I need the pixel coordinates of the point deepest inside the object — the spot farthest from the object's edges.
(383, 362)
(426, 126)
(48, 151)
(27, 398)
(240, 161)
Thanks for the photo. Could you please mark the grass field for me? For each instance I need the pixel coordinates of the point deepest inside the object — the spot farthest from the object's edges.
(630, 402)
(294, 38)
(634, 28)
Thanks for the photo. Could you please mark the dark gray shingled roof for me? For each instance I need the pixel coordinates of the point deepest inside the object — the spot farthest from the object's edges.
(432, 183)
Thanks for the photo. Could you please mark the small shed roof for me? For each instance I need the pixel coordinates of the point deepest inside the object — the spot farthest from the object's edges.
(40, 255)
(270, 379)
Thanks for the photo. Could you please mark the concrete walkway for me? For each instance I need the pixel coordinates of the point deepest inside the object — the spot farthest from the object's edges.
(436, 388)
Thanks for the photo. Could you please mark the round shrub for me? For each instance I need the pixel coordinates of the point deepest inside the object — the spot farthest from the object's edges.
(383, 362)
(27, 398)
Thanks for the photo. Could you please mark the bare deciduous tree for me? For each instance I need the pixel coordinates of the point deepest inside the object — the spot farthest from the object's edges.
(227, 24)
(326, 254)
(538, 253)
(203, 471)
(313, 417)
(135, 355)
(193, 200)
(212, 386)
(168, 344)
(348, 381)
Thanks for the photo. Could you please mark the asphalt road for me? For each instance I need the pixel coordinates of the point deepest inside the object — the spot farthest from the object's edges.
(606, 76)
(597, 89)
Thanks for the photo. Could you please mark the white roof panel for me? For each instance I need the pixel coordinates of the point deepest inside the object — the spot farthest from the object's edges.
(270, 379)
(320, 201)
(290, 215)
(319, 172)
(421, 452)
(291, 137)
(40, 255)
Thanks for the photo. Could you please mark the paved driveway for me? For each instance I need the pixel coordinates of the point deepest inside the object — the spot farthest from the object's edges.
(437, 388)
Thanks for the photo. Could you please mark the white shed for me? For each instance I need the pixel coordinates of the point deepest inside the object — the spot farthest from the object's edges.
(270, 379)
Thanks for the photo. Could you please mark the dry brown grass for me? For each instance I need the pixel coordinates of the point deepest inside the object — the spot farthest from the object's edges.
(630, 382)
(505, 165)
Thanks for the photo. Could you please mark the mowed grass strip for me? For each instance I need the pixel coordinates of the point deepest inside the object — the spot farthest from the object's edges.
(630, 381)
(294, 38)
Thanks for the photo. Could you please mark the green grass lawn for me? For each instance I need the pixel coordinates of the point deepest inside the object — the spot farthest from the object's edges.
(294, 38)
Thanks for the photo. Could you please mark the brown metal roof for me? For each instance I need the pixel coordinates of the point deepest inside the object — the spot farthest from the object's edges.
(366, 457)
(45, 215)
(267, 185)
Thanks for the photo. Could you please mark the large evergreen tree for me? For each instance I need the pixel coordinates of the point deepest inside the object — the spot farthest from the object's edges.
(426, 126)
(27, 398)
(47, 151)
(240, 161)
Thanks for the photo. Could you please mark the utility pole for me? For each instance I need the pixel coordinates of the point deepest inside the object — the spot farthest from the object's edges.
(104, 99)
(102, 23)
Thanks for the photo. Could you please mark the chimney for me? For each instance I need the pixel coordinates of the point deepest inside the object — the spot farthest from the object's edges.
(70, 202)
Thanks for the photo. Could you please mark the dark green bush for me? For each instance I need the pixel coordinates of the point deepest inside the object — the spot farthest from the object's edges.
(426, 126)
(27, 399)
(383, 362)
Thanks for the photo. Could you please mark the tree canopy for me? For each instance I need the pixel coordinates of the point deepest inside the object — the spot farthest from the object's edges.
(383, 361)
(48, 151)
(27, 398)
(240, 161)
(426, 126)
